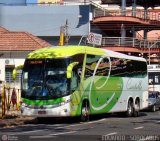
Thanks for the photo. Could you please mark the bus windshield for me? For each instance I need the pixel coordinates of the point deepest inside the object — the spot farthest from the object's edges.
(45, 79)
(154, 78)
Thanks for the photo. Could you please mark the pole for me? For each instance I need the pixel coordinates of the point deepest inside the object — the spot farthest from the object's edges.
(123, 7)
(149, 54)
(66, 33)
(81, 40)
(134, 8)
(3, 102)
(123, 34)
(61, 42)
(149, 49)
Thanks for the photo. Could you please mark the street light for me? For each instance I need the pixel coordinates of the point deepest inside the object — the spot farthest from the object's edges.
(84, 36)
(64, 34)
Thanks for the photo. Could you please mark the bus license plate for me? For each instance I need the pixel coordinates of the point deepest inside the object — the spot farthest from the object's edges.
(41, 112)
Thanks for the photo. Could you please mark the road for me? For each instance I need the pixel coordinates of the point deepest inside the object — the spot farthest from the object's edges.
(103, 127)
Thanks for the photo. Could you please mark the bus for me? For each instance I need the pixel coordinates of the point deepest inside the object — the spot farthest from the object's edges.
(67, 81)
(154, 77)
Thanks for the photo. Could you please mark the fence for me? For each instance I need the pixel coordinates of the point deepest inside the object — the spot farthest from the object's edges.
(11, 98)
(153, 16)
(129, 42)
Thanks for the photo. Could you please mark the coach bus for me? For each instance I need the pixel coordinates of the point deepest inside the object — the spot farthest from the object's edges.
(66, 81)
(154, 77)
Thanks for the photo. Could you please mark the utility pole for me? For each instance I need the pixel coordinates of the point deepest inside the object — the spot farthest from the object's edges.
(66, 33)
(64, 36)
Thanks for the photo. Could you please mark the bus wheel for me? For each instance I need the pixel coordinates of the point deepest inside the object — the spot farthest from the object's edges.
(85, 111)
(153, 108)
(136, 109)
(129, 112)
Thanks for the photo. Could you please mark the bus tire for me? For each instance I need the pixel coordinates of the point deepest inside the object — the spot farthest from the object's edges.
(153, 108)
(85, 111)
(136, 108)
(129, 111)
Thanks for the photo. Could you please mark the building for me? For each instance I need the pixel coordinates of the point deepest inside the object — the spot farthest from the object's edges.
(14, 47)
(125, 25)
(45, 19)
(128, 26)
(26, 25)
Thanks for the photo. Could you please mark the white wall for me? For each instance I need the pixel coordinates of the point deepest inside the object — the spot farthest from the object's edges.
(2, 69)
(15, 62)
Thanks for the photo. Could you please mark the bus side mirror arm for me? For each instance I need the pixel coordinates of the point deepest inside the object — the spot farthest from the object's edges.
(70, 67)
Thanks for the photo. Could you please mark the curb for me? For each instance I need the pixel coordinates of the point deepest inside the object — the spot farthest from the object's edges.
(10, 121)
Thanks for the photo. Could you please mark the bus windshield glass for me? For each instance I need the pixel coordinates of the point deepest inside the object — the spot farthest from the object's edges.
(154, 78)
(45, 79)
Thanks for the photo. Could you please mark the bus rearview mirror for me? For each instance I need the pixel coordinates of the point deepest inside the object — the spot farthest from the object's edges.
(70, 68)
(14, 72)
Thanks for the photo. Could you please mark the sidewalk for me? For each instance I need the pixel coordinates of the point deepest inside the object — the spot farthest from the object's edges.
(13, 118)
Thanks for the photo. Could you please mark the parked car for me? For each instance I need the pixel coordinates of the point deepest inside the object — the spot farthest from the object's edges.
(154, 101)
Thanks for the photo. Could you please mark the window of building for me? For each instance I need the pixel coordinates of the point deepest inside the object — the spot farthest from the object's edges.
(8, 74)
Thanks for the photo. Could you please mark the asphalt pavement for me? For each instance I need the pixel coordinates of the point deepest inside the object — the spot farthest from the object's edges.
(107, 127)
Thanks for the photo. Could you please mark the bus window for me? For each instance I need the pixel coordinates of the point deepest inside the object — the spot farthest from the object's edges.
(91, 64)
(74, 80)
(156, 79)
(78, 58)
(119, 67)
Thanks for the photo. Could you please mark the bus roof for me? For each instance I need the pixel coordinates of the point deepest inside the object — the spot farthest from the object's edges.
(64, 51)
(67, 51)
(111, 53)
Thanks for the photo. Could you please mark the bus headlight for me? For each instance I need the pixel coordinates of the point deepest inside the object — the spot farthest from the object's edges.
(22, 107)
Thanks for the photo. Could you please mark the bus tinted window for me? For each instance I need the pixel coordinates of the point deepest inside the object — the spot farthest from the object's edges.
(154, 77)
(136, 69)
(94, 62)
(119, 67)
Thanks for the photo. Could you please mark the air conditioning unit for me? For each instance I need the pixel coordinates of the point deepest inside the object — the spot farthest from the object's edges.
(9, 62)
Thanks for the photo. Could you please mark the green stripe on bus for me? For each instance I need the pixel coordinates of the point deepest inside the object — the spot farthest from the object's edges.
(43, 102)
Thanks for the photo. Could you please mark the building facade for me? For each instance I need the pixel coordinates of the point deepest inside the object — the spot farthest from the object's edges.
(123, 24)
(14, 47)
(127, 26)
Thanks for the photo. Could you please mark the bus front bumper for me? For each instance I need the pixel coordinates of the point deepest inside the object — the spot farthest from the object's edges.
(47, 111)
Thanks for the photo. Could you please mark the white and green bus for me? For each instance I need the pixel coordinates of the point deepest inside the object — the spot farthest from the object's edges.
(68, 81)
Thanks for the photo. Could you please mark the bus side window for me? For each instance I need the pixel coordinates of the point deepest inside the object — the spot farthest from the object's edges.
(130, 69)
(156, 79)
(74, 80)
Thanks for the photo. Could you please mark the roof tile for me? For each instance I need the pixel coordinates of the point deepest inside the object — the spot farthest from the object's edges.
(2, 30)
(20, 41)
